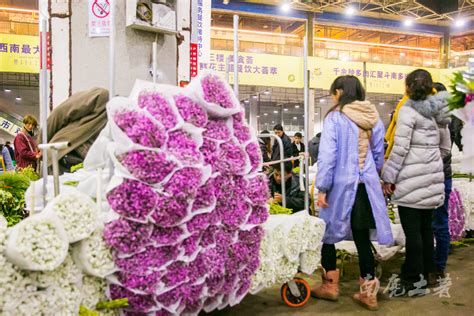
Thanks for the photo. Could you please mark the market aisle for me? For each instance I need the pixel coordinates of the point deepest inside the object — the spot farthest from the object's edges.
(460, 266)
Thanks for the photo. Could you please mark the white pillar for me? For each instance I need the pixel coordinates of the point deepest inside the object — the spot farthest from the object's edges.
(311, 114)
(253, 120)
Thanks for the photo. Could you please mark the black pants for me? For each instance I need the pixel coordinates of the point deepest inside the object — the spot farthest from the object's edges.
(419, 260)
(362, 221)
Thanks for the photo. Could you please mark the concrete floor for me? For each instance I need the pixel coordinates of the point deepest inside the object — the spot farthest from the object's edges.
(460, 267)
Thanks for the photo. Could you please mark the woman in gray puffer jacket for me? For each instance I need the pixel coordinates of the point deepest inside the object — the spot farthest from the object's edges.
(414, 176)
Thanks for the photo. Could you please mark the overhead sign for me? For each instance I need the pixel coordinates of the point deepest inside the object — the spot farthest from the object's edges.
(200, 46)
(19, 53)
(9, 127)
(99, 18)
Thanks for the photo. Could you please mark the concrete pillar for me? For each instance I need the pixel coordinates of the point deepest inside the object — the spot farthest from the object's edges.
(81, 62)
(310, 24)
(445, 49)
(253, 119)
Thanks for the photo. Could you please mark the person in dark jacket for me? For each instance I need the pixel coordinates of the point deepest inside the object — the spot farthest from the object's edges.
(8, 144)
(313, 148)
(455, 128)
(287, 148)
(266, 149)
(297, 147)
(440, 217)
(294, 195)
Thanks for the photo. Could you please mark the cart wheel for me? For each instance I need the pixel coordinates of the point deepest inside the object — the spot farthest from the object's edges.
(294, 301)
(378, 270)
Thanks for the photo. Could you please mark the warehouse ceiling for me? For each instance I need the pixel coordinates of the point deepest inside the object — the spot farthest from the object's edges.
(424, 11)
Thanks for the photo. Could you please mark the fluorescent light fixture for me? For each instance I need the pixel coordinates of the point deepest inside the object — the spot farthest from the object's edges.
(344, 58)
(408, 22)
(350, 10)
(295, 118)
(8, 90)
(285, 110)
(273, 122)
(254, 96)
(316, 114)
(322, 100)
(266, 92)
(18, 10)
(254, 32)
(285, 7)
(297, 106)
(258, 116)
(265, 114)
(276, 112)
(246, 101)
(374, 44)
(460, 22)
(18, 98)
(403, 54)
(382, 103)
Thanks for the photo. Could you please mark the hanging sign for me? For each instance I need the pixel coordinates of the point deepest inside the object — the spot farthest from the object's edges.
(200, 47)
(99, 18)
(19, 53)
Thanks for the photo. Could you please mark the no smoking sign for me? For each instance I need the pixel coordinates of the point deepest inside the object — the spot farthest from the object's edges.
(99, 20)
(101, 8)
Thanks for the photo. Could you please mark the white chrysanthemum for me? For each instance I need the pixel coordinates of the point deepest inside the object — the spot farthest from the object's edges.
(309, 261)
(66, 273)
(94, 256)
(11, 282)
(78, 214)
(285, 270)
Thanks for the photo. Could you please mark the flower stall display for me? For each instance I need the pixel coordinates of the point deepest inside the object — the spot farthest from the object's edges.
(464, 201)
(291, 243)
(184, 187)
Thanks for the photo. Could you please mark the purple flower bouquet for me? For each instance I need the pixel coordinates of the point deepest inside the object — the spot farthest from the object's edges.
(148, 166)
(191, 111)
(140, 128)
(159, 108)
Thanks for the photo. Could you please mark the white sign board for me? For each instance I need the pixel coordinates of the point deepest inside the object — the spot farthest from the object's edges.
(200, 34)
(99, 18)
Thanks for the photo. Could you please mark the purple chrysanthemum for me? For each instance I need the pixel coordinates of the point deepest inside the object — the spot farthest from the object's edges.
(216, 91)
(255, 156)
(234, 213)
(209, 151)
(202, 221)
(159, 107)
(166, 236)
(259, 215)
(150, 259)
(241, 132)
(181, 145)
(140, 129)
(170, 210)
(133, 199)
(257, 190)
(191, 244)
(205, 196)
(232, 158)
(145, 283)
(184, 183)
(191, 111)
(148, 166)
(125, 236)
(177, 273)
(456, 216)
(137, 303)
(217, 129)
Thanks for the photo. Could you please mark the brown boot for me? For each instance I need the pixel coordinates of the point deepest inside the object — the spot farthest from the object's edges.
(329, 290)
(367, 296)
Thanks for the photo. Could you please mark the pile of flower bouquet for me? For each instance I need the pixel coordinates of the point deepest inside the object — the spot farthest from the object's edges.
(189, 199)
(39, 274)
(291, 243)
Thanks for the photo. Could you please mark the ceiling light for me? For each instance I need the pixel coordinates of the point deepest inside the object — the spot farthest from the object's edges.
(285, 7)
(408, 22)
(285, 110)
(254, 32)
(295, 118)
(273, 122)
(246, 101)
(316, 114)
(266, 92)
(265, 114)
(297, 106)
(254, 96)
(265, 26)
(18, 10)
(350, 11)
(18, 98)
(258, 116)
(402, 54)
(459, 22)
(344, 58)
(8, 90)
(322, 101)
(276, 112)
(382, 103)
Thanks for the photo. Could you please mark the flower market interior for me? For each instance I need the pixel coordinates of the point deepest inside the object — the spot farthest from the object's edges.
(236, 157)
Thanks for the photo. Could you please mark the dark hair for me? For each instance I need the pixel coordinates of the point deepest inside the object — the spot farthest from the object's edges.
(278, 127)
(288, 167)
(352, 90)
(419, 84)
(30, 119)
(267, 141)
(439, 86)
(7, 142)
(298, 134)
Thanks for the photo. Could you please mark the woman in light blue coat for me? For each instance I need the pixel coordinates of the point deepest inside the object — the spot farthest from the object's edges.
(351, 156)
(7, 160)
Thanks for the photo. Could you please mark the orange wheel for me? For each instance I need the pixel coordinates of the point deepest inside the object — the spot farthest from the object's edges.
(296, 301)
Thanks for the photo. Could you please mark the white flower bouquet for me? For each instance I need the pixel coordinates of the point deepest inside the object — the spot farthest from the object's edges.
(94, 256)
(78, 213)
(37, 243)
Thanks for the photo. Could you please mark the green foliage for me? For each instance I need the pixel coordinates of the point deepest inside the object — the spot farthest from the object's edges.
(278, 209)
(114, 304)
(72, 183)
(77, 167)
(12, 194)
(391, 212)
(84, 311)
(30, 173)
(457, 97)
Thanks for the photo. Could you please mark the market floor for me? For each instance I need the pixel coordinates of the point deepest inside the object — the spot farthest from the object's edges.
(461, 302)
